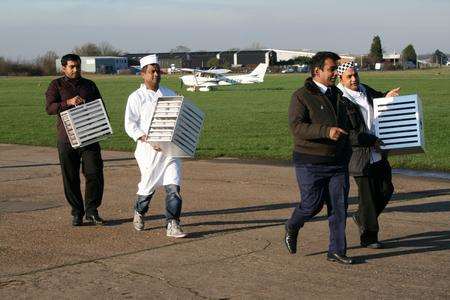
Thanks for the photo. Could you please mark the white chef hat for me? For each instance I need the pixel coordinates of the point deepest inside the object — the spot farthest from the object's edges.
(343, 67)
(148, 60)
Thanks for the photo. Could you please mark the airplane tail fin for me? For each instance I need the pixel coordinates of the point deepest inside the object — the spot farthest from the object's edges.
(259, 72)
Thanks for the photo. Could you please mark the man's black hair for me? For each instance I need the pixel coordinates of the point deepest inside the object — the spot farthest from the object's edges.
(318, 60)
(67, 57)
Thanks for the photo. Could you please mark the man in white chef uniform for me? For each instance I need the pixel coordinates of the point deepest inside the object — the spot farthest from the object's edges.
(156, 168)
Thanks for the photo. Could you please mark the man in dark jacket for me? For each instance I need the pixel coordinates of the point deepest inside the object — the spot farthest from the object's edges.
(368, 164)
(64, 93)
(319, 122)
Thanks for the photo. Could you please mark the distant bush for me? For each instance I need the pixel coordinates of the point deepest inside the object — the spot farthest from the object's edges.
(42, 65)
(18, 68)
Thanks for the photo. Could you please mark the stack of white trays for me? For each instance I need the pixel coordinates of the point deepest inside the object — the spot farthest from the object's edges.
(86, 124)
(176, 126)
(399, 124)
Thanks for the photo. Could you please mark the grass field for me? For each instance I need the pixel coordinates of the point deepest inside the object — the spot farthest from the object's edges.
(247, 121)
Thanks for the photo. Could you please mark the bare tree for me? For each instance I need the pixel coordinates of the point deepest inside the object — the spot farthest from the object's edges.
(46, 62)
(439, 57)
(106, 49)
(88, 49)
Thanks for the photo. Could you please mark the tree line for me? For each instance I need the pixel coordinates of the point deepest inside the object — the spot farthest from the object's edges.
(45, 64)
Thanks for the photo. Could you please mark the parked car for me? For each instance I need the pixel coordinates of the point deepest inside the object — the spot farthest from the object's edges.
(288, 69)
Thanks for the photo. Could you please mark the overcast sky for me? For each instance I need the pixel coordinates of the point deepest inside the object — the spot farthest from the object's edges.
(30, 28)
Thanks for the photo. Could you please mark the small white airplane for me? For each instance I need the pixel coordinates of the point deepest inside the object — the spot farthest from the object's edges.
(204, 80)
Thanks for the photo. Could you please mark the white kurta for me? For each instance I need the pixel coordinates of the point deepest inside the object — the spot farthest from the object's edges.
(360, 98)
(156, 168)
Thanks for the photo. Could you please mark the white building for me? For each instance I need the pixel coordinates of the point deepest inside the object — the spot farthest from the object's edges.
(284, 55)
(392, 57)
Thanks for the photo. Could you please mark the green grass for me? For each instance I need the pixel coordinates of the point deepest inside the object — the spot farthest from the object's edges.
(247, 121)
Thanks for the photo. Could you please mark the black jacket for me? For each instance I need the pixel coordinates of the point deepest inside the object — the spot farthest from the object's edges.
(360, 158)
(311, 115)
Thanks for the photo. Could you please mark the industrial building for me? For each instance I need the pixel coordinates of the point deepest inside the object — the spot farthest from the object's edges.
(229, 58)
(202, 59)
(100, 64)
(197, 59)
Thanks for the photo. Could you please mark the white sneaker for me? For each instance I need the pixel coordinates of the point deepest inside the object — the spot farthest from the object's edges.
(174, 229)
(138, 221)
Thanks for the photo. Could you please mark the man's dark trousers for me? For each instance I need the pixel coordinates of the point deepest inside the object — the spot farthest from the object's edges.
(375, 190)
(319, 184)
(92, 166)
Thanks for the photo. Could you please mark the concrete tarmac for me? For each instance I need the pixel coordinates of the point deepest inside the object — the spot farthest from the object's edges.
(234, 212)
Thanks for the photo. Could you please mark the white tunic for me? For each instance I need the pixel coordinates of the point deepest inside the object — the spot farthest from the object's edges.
(156, 168)
(360, 98)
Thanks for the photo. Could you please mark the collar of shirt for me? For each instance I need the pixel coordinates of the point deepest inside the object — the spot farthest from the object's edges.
(323, 88)
(150, 92)
(361, 92)
(354, 94)
(72, 80)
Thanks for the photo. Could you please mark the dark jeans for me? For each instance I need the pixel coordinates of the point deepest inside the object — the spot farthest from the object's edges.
(173, 202)
(319, 184)
(92, 167)
(374, 191)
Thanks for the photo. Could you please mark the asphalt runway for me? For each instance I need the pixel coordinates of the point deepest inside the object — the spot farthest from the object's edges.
(234, 212)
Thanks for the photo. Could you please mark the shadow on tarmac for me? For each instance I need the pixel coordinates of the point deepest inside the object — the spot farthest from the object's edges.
(417, 243)
(431, 207)
(410, 196)
(424, 207)
(411, 244)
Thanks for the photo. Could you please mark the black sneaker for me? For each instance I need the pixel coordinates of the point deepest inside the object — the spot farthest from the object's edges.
(290, 239)
(77, 220)
(95, 219)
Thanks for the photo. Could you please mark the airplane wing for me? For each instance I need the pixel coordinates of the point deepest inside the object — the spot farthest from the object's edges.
(211, 71)
(218, 71)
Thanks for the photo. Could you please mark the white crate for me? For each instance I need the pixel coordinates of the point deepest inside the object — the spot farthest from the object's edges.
(86, 124)
(176, 126)
(399, 123)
